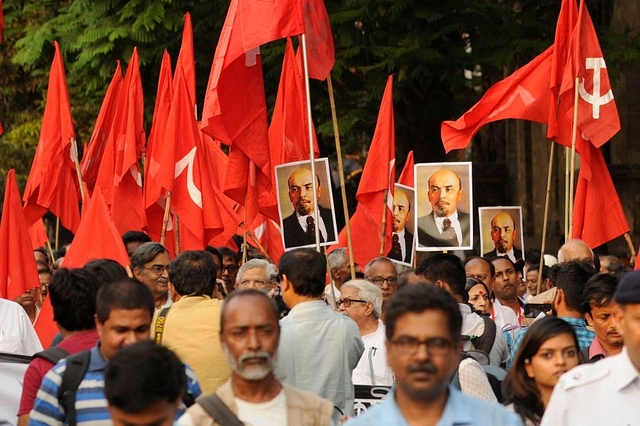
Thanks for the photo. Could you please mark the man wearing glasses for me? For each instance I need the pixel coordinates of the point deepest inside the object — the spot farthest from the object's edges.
(229, 268)
(423, 329)
(382, 272)
(150, 263)
(256, 274)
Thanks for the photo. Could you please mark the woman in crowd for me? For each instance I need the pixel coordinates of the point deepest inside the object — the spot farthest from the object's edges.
(548, 350)
(478, 294)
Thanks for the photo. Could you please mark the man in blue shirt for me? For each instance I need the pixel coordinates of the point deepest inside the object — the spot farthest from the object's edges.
(423, 350)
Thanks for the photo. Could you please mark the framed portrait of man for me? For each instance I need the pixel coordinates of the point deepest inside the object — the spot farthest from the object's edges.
(443, 200)
(501, 232)
(298, 219)
(402, 248)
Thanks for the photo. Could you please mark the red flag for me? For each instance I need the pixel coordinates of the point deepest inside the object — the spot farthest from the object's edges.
(18, 271)
(406, 176)
(288, 133)
(268, 234)
(45, 326)
(97, 236)
(321, 53)
(598, 117)
(524, 95)
(598, 216)
(53, 184)
(38, 234)
(95, 150)
(186, 58)
(119, 175)
(378, 178)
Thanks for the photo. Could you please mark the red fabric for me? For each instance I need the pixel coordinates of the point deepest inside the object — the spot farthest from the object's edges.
(321, 53)
(524, 95)
(53, 184)
(378, 176)
(38, 234)
(95, 150)
(38, 367)
(46, 328)
(598, 117)
(186, 58)
(119, 175)
(268, 234)
(18, 271)
(406, 176)
(598, 216)
(96, 225)
(288, 132)
(153, 192)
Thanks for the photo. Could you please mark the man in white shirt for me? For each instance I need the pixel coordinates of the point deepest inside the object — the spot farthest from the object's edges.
(362, 302)
(17, 335)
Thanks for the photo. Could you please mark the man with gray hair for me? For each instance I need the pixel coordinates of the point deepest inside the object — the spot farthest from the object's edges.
(383, 273)
(361, 301)
(150, 265)
(257, 274)
(338, 263)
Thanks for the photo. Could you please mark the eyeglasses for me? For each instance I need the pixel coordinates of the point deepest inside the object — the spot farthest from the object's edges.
(158, 269)
(253, 283)
(391, 281)
(232, 269)
(435, 346)
(347, 302)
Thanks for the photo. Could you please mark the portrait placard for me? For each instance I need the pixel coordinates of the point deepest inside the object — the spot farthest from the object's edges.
(501, 232)
(402, 248)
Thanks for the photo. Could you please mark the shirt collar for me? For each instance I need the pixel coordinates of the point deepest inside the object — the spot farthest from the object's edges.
(624, 372)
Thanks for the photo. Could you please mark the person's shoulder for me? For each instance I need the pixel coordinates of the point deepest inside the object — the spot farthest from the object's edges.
(496, 413)
(375, 415)
(586, 374)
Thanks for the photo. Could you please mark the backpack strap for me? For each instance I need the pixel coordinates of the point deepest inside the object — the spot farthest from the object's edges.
(53, 354)
(485, 342)
(218, 410)
(77, 366)
(162, 317)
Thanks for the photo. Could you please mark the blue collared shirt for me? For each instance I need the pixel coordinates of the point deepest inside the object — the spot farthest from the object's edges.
(584, 335)
(459, 410)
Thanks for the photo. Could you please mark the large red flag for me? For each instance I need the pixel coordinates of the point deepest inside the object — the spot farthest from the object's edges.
(406, 175)
(598, 216)
(95, 150)
(119, 175)
(18, 271)
(524, 95)
(186, 58)
(598, 117)
(377, 181)
(53, 184)
(38, 234)
(97, 236)
(45, 326)
(321, 53)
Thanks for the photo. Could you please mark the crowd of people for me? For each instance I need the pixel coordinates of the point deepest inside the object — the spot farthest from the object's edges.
(205, 339)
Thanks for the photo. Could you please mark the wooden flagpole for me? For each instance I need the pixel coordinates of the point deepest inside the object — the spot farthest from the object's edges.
(176, 232)
(307, 90)
(74, 157)
(574, 137)
(384, 220)
(244, 233)
(343, 191)
(165, 218)
(567, 156)
(546, 215)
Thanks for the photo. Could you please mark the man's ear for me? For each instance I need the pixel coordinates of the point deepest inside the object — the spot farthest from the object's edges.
(559, 299)
(589, 319)
(137, 274)
(334, 273)
(285, 284)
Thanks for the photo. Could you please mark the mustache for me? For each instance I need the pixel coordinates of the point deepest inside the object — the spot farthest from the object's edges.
(258, 354)
(163, 280)
(425, 367)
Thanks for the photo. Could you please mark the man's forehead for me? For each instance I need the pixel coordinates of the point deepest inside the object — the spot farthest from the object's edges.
(444, 178)
(254, 272)
(301, 177)
(476, 265)
(400, 198)
(382, 268)
(502, 264)
(249, 311)
(161, 258)
(228, 259)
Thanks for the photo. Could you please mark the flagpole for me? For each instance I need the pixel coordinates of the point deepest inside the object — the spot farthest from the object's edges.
(546, 215)
(176, 232)
(311, 147)
(632, 259)
(574, 137)
(165, 218)
(567, 155)
(74, 157)
(343, 191)
(244, 233)
(384, 220)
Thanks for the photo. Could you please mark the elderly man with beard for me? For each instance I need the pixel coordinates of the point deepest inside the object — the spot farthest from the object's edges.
(250, 333)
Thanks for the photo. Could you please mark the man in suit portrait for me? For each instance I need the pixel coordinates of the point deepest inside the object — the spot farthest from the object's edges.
(503, 234)
(299, 227)
(445, 226)
(402, 247)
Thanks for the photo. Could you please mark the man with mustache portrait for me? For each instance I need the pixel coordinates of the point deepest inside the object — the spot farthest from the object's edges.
(249, 334)
(299, 227)
(445, 226)
(503, 234)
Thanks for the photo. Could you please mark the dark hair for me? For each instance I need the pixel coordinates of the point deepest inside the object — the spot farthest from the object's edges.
(143, 374)
(444, 267)
(105, 270)
(146, 253)
(571, 278)
(536, 267)
(520, 389)
(135, 237)
(44, 252)
(306, 269)
(598, 291)
(403, 277)
(227, 252)
(249, 292)
(472, 282)
(193, 272)
(615, 265)
(214, 251)
(421, 297)
(43, 267)
(125, 293)
(73, 298)
(492, 267)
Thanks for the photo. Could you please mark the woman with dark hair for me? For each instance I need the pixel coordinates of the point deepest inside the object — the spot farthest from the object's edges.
(478, 295)
(548, 350)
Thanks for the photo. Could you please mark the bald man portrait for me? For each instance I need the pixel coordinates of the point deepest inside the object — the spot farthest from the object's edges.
(402, 243)
(503, 235)
(445, 226)
(299, 227)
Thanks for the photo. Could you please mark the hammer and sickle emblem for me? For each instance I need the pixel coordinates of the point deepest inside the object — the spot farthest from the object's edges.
(595, 64)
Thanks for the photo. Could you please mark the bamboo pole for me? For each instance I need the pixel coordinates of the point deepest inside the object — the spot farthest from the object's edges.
(546, 214)
(74, 157)
(57, 232)
(343, 191)
(567, 156)
(574, 138)
(632, 249)
(176, 232)
(165, 218)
